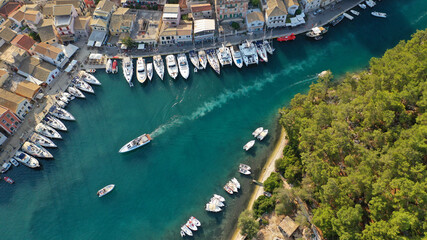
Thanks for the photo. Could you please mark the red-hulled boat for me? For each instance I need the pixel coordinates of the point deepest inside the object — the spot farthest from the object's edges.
(8, 180)
(286, 38)
(115, 68)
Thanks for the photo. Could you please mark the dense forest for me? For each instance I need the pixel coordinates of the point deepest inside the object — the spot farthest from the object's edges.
(357, 151)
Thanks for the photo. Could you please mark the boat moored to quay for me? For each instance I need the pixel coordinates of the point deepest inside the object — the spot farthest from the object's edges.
(159, 66)
(26, 159)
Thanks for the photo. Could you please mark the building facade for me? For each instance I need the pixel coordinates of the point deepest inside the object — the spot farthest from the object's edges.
(64, 16)
(255, 21)
(231, 9)
(20, 106)
(9, 122)
(276, 13)
(202, 11)
(311, 5)
(50, 54)
(171, 15)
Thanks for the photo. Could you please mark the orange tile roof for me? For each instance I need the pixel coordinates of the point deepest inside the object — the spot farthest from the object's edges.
(27, 89)
(201, 7)
(23, 41)
(10, 100)
(17, 15)
(47, 50)
(2, 110)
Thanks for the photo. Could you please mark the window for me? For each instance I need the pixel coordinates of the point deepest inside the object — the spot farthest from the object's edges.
(8, 115)
(7, 125)
(3, 121)
(12, 120)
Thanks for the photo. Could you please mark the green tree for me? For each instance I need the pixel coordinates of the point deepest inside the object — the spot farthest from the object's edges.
(235, 25)
(272, 182)
(247, 224)
(285, 202)
(255, 2)
(263, 205)
(35, 36)
(128, 42)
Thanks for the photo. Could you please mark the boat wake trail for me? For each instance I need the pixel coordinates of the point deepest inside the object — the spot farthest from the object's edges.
(176, 120)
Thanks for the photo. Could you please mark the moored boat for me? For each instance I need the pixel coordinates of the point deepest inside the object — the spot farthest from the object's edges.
(36, 151)
(362, 6)
(75, 92)
(128, 70)
(171, 66)
(235, 182)
(219, 197)
(8, 180)
(150, 71)
(184, 69)
(195, 221)
(89, 78)
(141, 74)
(348, 16)
(47, 131)
(257, 131)
(203, 59)
(61, 113)
(213, 61)
(115, 67)
(354, 12)
(249, 145)
(249, 53)
(14, 162)
(262, 53)
(217, 202)
(286, 38)
(5, 167)
(109, 66)
(237, 56)
(82, 85)
(212, 207)
(268, 47)
(232, 186)
(191, 225)
(42, 140)
(55, 123)
(337, 20)
(194, 59)
(187, 231)
(136, 143)
(105, 190)
(379, 14)
(159, 66)
(26, 159)
(244, 169)
(370, 3)
(262, 135)
(224, 56)
(317, 31)
(228, 189)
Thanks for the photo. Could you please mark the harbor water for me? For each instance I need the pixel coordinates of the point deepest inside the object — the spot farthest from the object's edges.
(198, 126)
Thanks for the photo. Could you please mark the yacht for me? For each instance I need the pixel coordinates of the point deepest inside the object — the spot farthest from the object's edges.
(14, 162)
(141, 74)
(370, 3)
(186, 230)
(42, 140)
(128, 69)
(317, 31)
(379, 14)
(36, 151)
(354, 12)
(109, 66)
(61, 104)
(213, 61)
(249, 53)
(183, 65)
(89, 78)
(268, 47)
(136, 143)
(195, 221)
(224, 56)
(171, 66)
(257, 131)
(262, 53)
(159, 66)
(194, 59)
(47, 131)
(362, 6)
(26, 159)
(219, 197)
(55, 123)
(237, 56)
(61, 113)
(5, 167)
(203, 59)
(68, 96)
(105, 190)
(262, 135)
(115, 67)
(235, 182)
(75, 92)
(82, 85)
(150, 71)
(337, 20)
(249, 145)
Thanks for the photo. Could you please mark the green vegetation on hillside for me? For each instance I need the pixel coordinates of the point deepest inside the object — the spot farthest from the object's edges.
(358, 149)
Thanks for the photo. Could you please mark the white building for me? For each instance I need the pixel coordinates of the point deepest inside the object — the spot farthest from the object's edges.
(311, 5)
(38, 71)
(50, 54)
(204, 30)
(20, 106)
(275, 15)
(171, 15)
(255, 20)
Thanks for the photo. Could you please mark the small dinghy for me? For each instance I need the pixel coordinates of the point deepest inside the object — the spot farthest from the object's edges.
(249, 145)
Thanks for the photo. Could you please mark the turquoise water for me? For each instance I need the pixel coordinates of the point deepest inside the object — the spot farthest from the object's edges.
(199, 127)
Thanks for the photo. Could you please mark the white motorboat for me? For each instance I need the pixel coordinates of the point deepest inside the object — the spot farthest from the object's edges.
(249, 53)
(150, 71)
(354, 12)
(224, 56)
(61, 113)
(379, 14)
(61, 104)
(257, 131)
(262, 135)
(159, 66)
(194, 59)
(228, 189)
(109, 66)
(362, 6)
(268, 47)
(182, 233)
(36, 151)
(219, 197)
(136, 143)
(317, 31)
(213, 61)
(244, 171)
(203, 59)
(62, 98)
(187, 231)
(141, 74)
(47, 131)
(26, 159)
(128, 69)
(216, 202)
(370, 3)
(232, 186)
(5, 167)
(249, 145)
(190, 224)
(89, 78)
(234, 180)
(184, 69)
(212, 207)
(237, 56)
(262, 53)
(14, 162)
(195, 221)
(42, 140)
(171, 66)
(105, 190)
(75, 92)
(55, 123)
(244, 166)
(82, 85)
(348, 16)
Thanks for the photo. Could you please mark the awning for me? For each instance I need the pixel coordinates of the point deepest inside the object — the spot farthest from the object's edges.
(70, 66)
(170, 15)
(97, 36)
(96, 56)
(90, 43)
(98, 44)
(141, 46)
(39, 96)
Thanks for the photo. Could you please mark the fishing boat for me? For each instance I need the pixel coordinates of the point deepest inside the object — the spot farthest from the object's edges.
(171, 66)
(348, 16)
(109, 66)
(36, 151)
(136, 143)
(287, 38)
(128, 70)
(224, 56)
(55, 123)
(219, 197)
(26, 159)
(257, 131)
(61, 113)
(249, 53)
(47, 131)
(115, 67)
(105, 190)
(42, 140)
(262, 135)
(379, 14)
(184, 69)
(337, 20)
(5, 167)
(262, 53)
(75, 92)
(354, 12)
(232, 186)
(213, 61)
(82, 85)
(268, 47)
(194, 59)
(187, 231)
(195, 221)
(8, 180)
(362, 6)
(228, 189)
(89, 78)
(14, 162)
(249, 145)
(141, 74)
(159, 66)
(203, 59)
(150, 71)
(191, 225)
(317, 31)
(237, 56)
(370, 3)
